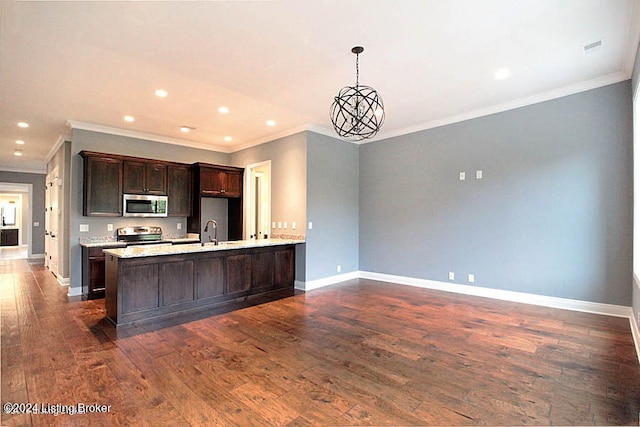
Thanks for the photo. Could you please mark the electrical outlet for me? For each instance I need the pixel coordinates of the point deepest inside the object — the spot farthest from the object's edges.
(338, 268)
(463, 176)
(284, 225)
(279, 225)
(472, 278)
(452, 275)
(84, 228)
(179, 226)
(293, 225)
(109, 227)
(478, 174)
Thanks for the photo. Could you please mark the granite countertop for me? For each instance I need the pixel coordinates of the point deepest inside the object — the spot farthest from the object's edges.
(145, 251)
(109, 242)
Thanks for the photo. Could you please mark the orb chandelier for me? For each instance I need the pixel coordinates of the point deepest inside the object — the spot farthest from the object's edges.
(357, 112)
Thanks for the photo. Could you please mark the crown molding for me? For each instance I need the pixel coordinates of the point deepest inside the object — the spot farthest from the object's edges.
(288, 132)
(497, 108)
(633, 39)
(42, 171)
(61, 139)
(510, 105)
(74, 124)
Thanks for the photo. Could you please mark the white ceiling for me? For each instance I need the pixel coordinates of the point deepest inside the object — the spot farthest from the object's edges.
(432, 61)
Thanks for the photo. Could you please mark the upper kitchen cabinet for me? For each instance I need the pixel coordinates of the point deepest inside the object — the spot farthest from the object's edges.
(102, 193)
(142, 177)
(219, 181)
(179, 190)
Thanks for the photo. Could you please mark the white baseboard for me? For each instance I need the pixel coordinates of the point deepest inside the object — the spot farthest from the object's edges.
(521, 297)
(36, 259)
(326, 281)
(63, 281)
(74, 292)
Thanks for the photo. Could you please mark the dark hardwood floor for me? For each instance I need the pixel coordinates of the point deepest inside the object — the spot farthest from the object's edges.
(358, 353)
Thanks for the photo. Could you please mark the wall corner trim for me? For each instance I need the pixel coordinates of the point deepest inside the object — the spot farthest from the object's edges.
(635, 331)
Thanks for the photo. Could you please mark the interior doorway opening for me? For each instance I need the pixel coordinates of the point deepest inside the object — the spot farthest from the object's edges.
(16, 211)
(257, 200)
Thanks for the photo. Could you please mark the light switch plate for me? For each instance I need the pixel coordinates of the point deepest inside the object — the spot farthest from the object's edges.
(36, 224)
(452, 275)
(179, 226)
(109, 227)
(478, 174)
(472, 278)
(293, 225)
(463, 176)
(84, 228)
(284, 225)
(310, 225)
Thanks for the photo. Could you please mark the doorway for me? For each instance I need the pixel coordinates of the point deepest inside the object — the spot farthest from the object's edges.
(15, 208)
(257, 200)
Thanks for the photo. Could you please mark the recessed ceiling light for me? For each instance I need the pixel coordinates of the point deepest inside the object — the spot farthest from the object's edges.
(223, 110)
(17, 152)
(129, 119)
(228, 138)
(271, 123)
(162, 93)
(186, 129)
(23, 124)
(20, 142)
(502, 73)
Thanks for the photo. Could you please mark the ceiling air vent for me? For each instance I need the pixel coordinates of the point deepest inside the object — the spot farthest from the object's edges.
(593, 47)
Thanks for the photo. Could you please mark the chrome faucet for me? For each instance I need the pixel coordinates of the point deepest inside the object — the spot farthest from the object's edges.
(213, 239)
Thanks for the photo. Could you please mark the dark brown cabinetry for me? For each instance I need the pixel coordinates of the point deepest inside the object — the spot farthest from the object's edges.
(102, 186)
(9, 237)
(93, 271)
(218, 182)
(154, 287)
(238, 273)
(179, 190)
(141, 177)
(222, 182)
(209, 276)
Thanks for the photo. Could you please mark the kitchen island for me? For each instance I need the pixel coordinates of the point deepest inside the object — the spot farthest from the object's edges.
(152, 283)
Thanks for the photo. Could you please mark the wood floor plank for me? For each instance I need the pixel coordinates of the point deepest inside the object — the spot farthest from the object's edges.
(358, 353)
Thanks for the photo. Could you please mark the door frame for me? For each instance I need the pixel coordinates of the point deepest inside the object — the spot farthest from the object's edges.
(263, 167)
(16, 187)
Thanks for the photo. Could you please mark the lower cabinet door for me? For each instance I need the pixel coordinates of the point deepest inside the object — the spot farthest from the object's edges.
(209, 277)
(238, 273)
(140, 288)
(176, 282)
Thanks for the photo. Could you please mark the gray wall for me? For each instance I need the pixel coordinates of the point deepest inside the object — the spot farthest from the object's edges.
(37, 205)
(332, 206)
(288, 177)
(106, 143)
(288, 157)
(552, 215)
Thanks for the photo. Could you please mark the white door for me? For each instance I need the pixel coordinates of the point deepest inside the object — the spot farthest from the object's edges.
(52, 220)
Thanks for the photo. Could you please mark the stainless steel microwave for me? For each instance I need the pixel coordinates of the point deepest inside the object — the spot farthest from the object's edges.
(144, 205)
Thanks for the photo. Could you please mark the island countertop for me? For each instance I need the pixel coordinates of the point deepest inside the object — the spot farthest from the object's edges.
(153, 250)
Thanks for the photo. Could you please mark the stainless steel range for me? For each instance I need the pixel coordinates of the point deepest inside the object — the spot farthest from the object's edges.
(140, 235)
